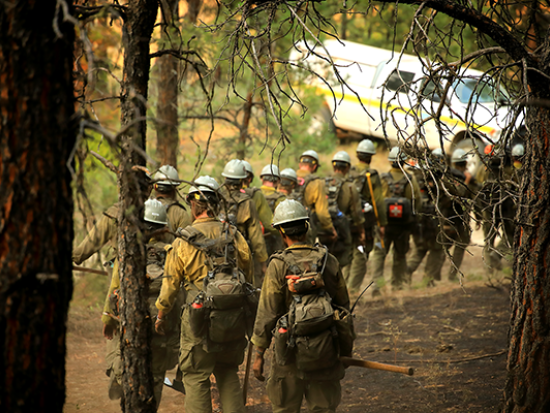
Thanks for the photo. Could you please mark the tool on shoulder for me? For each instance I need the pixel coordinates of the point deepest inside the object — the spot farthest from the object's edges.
(349, 361)
(375, 208)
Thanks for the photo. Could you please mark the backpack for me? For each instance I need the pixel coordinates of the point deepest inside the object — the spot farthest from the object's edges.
(313, 333)
(230, 214)
(398, 207)
(361, 183)
(156, 259)
(225, 308)
(342, 248)
(272, 199)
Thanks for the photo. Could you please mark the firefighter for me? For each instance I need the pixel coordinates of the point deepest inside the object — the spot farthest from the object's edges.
(311, 192)
(239, 209)
(311, 370)
(367, 182)
(403, 199)
(345, 210)
(208, 252)
(165, 189)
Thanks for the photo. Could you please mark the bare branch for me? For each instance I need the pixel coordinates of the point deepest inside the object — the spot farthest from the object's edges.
(105, 162)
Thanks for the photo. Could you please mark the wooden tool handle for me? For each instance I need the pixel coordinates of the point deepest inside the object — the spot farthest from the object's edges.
(377, 366)
(90, 270)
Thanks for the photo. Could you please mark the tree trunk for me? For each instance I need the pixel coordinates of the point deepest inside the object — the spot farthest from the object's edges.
(167, 106)
(528, 383)
(136, 329)
(243, 134)
(36, 205)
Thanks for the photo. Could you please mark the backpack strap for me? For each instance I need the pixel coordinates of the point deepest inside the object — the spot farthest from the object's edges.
(175, 203)
(112, 212)
(304, 182)
(397, 189)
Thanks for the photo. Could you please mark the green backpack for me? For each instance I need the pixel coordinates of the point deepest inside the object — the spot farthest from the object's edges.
(156, 259)
(314, 332)
(225, 308)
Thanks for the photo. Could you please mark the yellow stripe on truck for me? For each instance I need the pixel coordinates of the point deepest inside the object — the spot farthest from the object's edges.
(376, 103)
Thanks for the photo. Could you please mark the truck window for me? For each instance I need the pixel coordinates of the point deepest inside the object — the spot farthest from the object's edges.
(477, 91)
(431, 91)
(400, 80)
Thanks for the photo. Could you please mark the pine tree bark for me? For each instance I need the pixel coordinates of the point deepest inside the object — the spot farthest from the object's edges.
(36, 205)
(136, 331)
(167, 105)
(528, 382)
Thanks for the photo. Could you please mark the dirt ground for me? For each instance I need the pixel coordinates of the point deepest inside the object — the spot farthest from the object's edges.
(455, 338)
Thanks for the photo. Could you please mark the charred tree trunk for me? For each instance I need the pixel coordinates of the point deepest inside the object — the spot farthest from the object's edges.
(133, 190)
(167, 106)
(529, 353)
(36, 206)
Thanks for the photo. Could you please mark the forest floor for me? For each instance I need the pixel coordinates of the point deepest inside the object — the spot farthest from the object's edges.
(455, 338)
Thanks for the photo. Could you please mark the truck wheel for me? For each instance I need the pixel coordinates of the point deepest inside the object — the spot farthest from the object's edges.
(474, 149)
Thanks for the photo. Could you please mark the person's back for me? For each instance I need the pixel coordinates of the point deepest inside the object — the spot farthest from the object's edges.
(162, 346)
(209, 256)
(312, 193)
(239, 209)
(297, 278)
(402, 199)
(345, 210)
(166, 182)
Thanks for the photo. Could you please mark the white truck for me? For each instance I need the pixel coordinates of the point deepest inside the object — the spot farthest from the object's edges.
(385, 94)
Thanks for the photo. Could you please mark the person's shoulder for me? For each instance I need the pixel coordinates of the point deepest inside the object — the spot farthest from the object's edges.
(112, 211)
(332, 264)
(251, 191)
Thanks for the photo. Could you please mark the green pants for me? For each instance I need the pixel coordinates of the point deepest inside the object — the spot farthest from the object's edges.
(354, 274)
(425, 244)
(197, 365)
(286, 394)
(398, 236)
(492, 254)
(161, 358)
(456, 235)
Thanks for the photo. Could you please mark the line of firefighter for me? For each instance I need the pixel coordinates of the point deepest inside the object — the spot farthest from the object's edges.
(347, 211)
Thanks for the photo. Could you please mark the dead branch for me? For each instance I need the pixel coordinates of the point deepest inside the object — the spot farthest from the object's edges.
(105, 162)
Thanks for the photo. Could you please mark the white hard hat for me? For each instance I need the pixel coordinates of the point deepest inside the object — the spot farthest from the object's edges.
(248, 167)
(459, 155)
(396, 153)
(438, 152)
(289, 210)
(234, 169)
(366, 146)
(204, 184)
(311, 154)
(341, 156)
(289, 174)
(167, 175)
(270, 170)
(518, 150)
(155, 212)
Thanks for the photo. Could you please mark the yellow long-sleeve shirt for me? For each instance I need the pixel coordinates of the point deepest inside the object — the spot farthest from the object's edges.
(315, 198)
